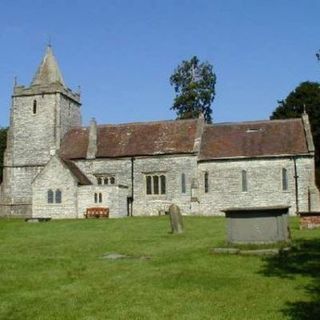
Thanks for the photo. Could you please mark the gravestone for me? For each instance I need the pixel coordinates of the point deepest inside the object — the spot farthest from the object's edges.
(175, 219)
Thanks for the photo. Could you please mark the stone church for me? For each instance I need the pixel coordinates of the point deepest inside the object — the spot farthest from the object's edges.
(55, 167)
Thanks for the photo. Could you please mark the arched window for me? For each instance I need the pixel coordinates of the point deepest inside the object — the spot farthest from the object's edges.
(244, 180)
(183, 183)
(148, 185)
(95, 198)
(155, 184)
(100, 197)
(34, 109)
(106, 181)
(206, 182)
(99, 180)
(50, 196)
(284, 179)
(58, 196)
(163, 184)
(112, 180)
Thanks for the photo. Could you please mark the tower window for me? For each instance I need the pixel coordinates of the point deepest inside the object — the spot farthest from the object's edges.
(34, 109)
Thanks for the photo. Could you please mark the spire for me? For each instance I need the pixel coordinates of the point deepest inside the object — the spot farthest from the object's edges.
(48, 71)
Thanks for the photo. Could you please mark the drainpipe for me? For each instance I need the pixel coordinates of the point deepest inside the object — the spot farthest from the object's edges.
(132, 185)
(296, 184)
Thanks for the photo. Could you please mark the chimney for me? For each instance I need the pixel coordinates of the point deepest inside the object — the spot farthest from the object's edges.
(92, 144)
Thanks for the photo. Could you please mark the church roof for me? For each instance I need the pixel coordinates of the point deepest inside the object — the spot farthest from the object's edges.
(48, 71)
(253, 139)
(133, 139)
(218, 141)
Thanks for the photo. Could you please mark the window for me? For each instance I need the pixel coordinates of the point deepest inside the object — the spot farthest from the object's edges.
(34, 109)
(284, 179)
(244, 181)
(54, 197)
(98, 197)
(58, 196)
(163, 184)
(50, 196)
(206, 182)
(156, 184)
(183, 183)
(148, 185)
(105, 179)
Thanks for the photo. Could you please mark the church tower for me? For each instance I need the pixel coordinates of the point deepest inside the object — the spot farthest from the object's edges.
(40, 116)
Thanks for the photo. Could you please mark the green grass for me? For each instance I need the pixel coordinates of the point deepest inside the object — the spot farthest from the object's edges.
(54, 270)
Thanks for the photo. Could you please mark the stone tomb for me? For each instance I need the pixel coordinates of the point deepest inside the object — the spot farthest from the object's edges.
(257, 225)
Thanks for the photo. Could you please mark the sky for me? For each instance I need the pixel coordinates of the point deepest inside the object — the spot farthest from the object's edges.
(122, 53)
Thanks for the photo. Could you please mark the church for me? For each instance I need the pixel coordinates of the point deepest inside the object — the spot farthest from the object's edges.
(54, 167)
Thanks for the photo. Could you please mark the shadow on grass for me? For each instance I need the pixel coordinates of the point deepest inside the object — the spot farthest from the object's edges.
(303, 260)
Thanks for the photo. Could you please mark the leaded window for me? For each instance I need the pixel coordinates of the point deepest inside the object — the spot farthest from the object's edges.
(50, 196)
(58, 196)
(156, 184)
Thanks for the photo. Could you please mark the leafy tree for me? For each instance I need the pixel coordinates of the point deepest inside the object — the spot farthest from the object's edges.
(3, 143)
(306, 94)
(194, 85)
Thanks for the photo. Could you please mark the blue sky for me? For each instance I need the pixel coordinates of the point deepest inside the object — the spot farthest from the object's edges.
(123, 52)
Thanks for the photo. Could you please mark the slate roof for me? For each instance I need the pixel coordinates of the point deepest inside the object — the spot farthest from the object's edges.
(253, 139)
(77, 173)
(133, 139)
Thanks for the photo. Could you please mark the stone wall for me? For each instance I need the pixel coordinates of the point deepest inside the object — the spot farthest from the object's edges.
(264, 179)
(114, 197)
(171, 166)
(55, 176)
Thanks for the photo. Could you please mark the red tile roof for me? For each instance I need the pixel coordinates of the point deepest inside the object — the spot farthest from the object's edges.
(133, 139)
(253, 139)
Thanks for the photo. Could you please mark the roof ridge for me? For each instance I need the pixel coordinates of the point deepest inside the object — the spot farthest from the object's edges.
(252, 122)
(145, 123)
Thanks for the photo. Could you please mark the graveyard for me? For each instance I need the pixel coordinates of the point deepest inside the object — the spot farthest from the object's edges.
(136, 268)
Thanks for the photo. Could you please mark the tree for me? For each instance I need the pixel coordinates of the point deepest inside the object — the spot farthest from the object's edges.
(3, 144)
(307, 95)
(194, 85)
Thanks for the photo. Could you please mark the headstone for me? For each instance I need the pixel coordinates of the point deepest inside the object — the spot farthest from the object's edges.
(175, 219)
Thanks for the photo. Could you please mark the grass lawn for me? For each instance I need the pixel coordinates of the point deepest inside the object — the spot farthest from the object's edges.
(54, 270)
